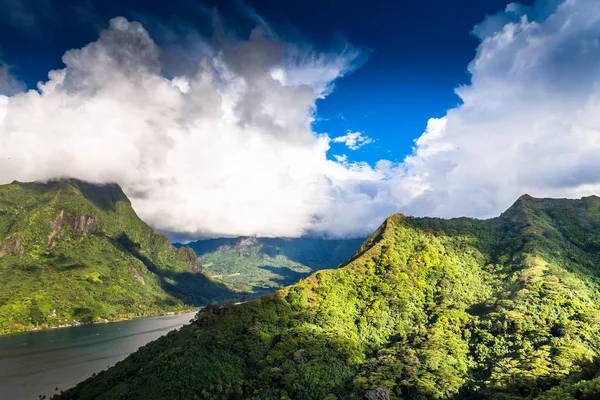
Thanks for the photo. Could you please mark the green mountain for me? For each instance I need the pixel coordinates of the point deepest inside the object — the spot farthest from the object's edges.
(76, 252)
(261, 265)
(505, 308)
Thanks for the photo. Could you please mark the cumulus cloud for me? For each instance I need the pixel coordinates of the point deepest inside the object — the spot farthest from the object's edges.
(530, 119)
(9, 85)
(225, 149)
(353, 140)
(529, 122)
(226, 146)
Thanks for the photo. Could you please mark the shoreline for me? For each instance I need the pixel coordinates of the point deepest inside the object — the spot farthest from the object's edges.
(104, 321)
(35, 364)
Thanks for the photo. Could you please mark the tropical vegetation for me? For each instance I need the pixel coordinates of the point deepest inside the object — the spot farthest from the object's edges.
(74, 252)
(505, 308)
(255, 266)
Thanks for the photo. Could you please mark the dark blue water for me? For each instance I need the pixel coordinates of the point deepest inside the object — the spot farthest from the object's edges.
(35, 363)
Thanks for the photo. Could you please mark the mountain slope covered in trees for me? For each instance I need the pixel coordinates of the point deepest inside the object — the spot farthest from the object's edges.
(73, 252)
(506, 308)
(261, 265)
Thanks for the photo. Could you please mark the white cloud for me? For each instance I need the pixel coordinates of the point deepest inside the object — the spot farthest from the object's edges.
(530, 119)
(353, 140)
(341, 158)
(529, 123)
(227, 148)
(9, 85)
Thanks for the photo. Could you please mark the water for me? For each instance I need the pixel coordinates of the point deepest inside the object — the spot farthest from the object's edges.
(35, 363)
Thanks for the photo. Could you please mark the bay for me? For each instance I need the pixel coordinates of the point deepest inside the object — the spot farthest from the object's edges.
(36, 363)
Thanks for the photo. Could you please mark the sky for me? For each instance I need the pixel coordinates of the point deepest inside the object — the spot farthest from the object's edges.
(223, 118)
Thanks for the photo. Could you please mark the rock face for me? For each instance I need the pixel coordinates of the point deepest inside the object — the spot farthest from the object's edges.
(247, 242)
(378, 394)
(80, 249)
(81, 223)
(11, 246)
(505, 308)
(137, 276)
(55, 225)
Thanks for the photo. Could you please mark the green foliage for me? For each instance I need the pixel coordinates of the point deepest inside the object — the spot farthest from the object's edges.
(507, 308)
(258, 266)
(569, 390)
(74, 252)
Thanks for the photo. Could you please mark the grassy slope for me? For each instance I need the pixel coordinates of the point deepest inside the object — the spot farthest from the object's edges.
(72, 251)
(260, 265)
(506, 308)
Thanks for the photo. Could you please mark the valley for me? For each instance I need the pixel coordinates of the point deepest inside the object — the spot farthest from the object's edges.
(505, 308)
(73, 252)
(314, 200)
(258, 266)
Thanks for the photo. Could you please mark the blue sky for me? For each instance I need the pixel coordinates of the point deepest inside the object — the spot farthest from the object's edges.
(213, 120)
(417, 52)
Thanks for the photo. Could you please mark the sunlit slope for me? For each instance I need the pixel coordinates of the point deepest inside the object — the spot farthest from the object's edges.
(74, 252)
(505, 308)
(262, 265)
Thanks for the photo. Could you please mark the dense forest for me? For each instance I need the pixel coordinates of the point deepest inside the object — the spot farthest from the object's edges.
(506, 308)
(258, 266)
(73, 252)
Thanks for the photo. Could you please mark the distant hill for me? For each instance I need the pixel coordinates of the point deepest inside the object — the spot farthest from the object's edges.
(73, 252)
(261, 265)
(505, 308)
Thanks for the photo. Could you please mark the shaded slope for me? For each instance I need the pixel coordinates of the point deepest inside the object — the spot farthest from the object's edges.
(261, 265)
(72, 251)
(505, 308)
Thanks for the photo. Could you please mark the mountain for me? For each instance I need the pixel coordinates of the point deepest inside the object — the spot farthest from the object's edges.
(73, 252)
(260, 265)
(505, 308)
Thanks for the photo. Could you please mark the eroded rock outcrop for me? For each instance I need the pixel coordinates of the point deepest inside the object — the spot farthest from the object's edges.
(11, 246)
(56, 225)
(137, 276)
(378, 394)
(81, 224)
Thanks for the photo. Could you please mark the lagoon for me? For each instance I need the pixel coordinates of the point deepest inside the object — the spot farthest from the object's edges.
(35, 363)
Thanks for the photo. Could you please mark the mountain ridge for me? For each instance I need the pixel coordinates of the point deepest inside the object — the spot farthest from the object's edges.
(505, 308)
(71, 252)
(257, 265)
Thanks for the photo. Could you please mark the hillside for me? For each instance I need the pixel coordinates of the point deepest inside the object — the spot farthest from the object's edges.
(506, 308)
(261, 265)
(75, 252)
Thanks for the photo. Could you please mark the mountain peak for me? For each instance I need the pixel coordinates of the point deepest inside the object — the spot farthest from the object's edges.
(592, 197)
(525, 203)
(104, 195)
(101, 195)
(83, 243)
(525, 197)
(425, 308)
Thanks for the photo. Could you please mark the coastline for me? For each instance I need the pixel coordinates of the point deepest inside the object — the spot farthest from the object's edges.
(35, 363)
(100, 321)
